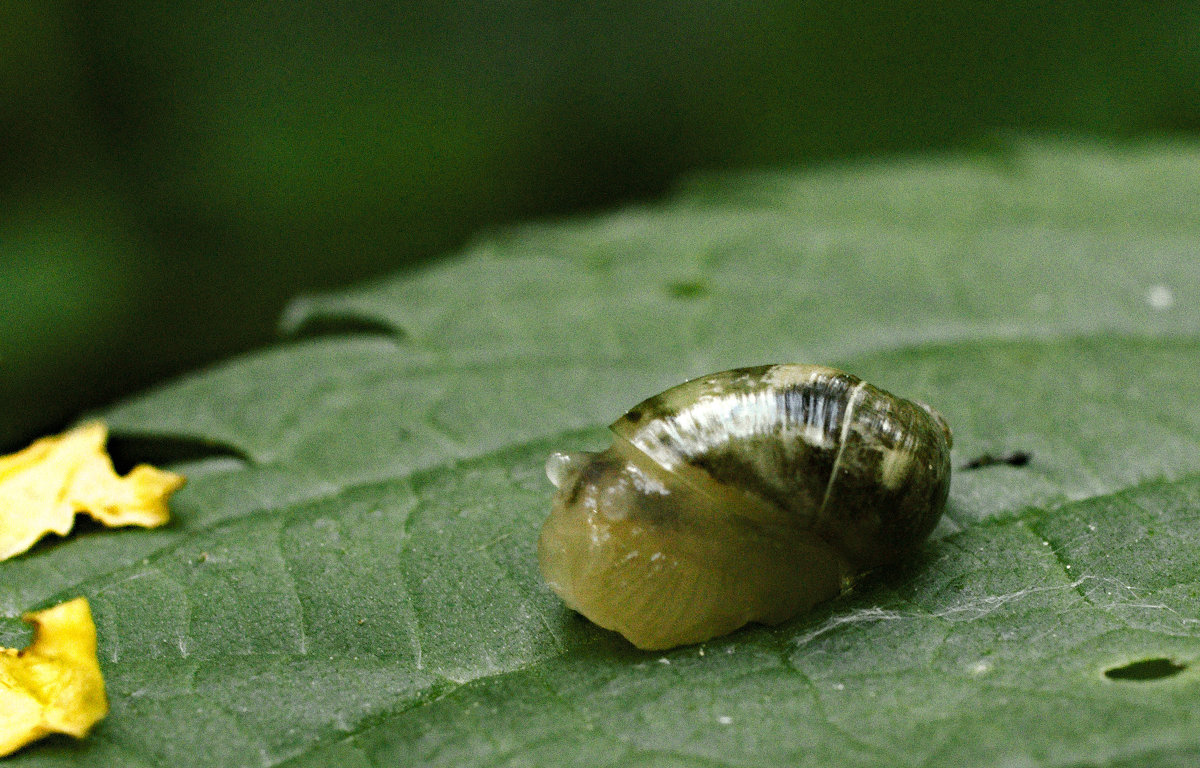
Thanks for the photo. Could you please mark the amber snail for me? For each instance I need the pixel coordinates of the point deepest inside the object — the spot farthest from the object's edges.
(742, 496)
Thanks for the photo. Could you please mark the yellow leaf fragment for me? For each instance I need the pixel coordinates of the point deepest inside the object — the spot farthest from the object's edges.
(44, 486)
(54, 685)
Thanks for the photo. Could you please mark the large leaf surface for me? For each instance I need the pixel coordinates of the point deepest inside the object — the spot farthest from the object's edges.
(351, 580)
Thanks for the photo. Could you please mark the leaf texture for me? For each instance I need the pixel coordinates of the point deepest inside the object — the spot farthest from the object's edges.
(350, 578)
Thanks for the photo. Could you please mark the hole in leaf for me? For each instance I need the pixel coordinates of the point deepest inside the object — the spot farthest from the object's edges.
(323, 325)
(687, 289)
(128, 451)
(1014, 459)
(1146, 669)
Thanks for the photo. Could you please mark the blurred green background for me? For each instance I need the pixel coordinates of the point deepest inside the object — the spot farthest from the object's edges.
(170, 173)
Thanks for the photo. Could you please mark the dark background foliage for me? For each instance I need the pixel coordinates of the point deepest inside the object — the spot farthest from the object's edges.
(170, 173)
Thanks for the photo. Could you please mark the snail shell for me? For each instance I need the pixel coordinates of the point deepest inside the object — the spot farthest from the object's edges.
(746, 495)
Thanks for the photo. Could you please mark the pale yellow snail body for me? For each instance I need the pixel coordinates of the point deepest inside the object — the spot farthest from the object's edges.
(742, 496)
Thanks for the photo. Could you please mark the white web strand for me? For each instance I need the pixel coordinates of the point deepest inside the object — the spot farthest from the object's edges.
(978, 608)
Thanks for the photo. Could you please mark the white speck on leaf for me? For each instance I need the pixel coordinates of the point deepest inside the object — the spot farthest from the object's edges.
(1160, 297)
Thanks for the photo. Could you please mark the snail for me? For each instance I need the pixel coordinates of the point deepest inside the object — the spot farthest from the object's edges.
(743, 496)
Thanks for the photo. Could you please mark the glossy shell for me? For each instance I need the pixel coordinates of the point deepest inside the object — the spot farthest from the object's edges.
(746, 495)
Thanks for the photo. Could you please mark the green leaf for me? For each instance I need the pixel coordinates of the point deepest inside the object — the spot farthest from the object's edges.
(350, 578)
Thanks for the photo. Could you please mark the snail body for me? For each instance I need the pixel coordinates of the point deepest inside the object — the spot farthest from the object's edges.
(747, 495)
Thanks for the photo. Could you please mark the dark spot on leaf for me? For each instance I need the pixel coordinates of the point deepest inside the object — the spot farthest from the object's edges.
(687, 289)
(1146, 669)
(1018, 459)
(1014, 459)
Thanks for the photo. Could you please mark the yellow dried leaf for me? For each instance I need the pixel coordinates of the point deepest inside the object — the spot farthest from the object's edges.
(54, 685)
(44, 486)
